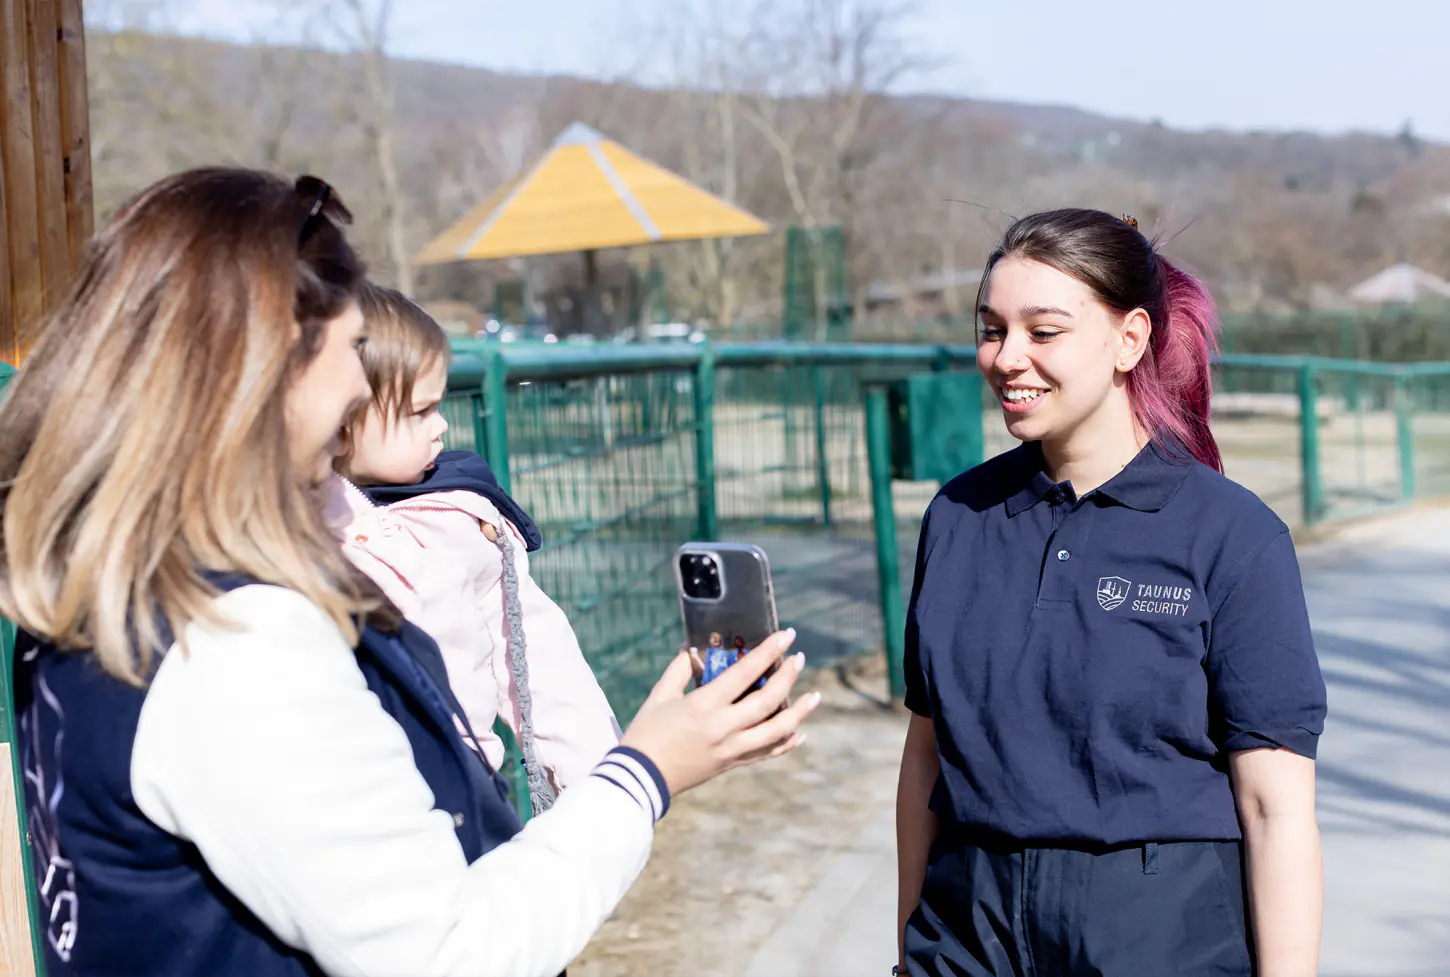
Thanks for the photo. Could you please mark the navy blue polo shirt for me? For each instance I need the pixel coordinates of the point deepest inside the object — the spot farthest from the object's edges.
(1089, 663)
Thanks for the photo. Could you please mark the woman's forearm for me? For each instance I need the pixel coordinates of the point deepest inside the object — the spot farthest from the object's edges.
(1286, 893)
(916, 825)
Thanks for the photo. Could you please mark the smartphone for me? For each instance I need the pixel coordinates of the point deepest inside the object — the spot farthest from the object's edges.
(727, 602)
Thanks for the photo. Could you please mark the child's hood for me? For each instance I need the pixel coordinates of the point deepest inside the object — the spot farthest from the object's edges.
(462, 471)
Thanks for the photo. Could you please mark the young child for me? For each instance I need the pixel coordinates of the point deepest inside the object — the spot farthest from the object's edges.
(448, 546)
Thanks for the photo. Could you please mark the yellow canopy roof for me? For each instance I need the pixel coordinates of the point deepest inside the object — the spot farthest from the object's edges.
(588, 192)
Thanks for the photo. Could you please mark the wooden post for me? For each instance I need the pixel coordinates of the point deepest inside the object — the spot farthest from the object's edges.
(17, 157)
(45, 222)
(75, 118)
(45, 164)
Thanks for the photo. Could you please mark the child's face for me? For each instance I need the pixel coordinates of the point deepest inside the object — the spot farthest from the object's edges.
(400, 453)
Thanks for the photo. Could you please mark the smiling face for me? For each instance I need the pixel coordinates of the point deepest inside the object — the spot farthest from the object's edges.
(1056, 357)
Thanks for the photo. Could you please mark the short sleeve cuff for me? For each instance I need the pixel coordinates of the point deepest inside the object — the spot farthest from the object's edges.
(1295, 739)
(918, 702)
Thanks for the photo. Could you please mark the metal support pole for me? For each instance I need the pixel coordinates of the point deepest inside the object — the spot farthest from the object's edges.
(823, 461)
(1405, 435)
(495, 415)
(888, 555)
(708, 525)
(10, 749)
(1313, 488)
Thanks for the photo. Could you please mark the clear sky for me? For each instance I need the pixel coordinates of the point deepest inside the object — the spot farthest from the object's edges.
(1323, 65)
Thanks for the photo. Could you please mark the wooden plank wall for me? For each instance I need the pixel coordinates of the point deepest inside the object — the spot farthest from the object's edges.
(45, 162)
(45, 222)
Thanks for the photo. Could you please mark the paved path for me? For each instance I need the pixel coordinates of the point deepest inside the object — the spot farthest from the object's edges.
(1379, 597)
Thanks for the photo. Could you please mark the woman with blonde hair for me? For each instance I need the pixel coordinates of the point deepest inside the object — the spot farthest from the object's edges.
(238, 758)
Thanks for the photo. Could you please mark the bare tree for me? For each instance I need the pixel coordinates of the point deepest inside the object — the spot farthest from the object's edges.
(278, 91)
(134, 70)
(704, 122)
(160, 102)
(821, 71)
(821, 68)
(467, 163)
(364, 27)
(784, 107)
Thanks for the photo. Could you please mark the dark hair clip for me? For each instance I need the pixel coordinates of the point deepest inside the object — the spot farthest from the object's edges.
(323, 201)
(1130, 220)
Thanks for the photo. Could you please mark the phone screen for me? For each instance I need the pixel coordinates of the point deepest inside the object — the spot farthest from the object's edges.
(728, 605)
(719, 653)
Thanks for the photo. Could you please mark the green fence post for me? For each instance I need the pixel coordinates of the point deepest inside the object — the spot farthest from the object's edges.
(1313, 488)
(495, 415)
(888, 556)
(941, 360)
(704, 385)
(1405, 435)
(9, 724)
(1347, 351)
(823, 461)
(790, 428)
(513, 771)
(478, 400)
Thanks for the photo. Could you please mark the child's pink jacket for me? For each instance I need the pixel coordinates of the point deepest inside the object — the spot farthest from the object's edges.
(430, 556)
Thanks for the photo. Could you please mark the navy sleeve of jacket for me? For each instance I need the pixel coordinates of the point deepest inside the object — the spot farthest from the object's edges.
(1265, 686)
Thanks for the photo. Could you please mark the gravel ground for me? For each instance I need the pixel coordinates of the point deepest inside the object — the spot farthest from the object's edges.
(736, 854)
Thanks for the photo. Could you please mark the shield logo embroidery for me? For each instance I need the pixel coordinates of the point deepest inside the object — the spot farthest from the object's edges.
(1112, 591)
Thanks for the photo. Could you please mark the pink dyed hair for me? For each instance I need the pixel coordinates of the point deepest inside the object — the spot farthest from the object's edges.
(1172, 383)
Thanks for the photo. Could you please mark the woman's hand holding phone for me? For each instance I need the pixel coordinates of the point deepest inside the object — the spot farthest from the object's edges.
(696, 736)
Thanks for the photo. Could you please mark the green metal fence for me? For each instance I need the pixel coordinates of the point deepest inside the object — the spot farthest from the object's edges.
(623, 453)
(1386, 334)
(1326, 438)
(1417, 333)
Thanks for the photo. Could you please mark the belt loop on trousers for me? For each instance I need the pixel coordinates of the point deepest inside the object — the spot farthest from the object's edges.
(1150, 858)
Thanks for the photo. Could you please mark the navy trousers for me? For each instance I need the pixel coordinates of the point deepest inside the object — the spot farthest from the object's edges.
(994, 909)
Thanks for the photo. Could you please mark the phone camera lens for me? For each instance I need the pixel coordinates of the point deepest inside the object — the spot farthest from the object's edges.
(700, 576)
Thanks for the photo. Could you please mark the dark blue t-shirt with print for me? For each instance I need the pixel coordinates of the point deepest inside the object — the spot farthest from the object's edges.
(1089, 663)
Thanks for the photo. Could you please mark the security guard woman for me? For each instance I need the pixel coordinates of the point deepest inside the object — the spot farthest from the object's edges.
(1116, 698)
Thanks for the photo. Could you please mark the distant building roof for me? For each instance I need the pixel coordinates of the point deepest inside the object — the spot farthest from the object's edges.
(1400, 283)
